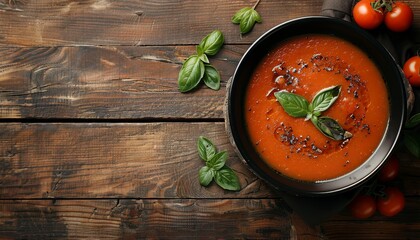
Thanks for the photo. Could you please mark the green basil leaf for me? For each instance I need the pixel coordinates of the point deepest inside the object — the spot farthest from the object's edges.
(218, 160)
(239, 15)
(211, 77)
(330, 128)
(206, 149)
(227, 179)
(256, 16)
(413, 121)
(204, 58)
(205, 175)
(293, 104)
(200, 52)
(191, 73)
(325, 98)
(212, 43)
(412, 143)
(249, 18)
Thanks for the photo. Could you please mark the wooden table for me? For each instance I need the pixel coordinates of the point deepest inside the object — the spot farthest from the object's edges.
(96, 141)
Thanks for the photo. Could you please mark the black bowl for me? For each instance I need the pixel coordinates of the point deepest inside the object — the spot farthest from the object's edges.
(391, 74)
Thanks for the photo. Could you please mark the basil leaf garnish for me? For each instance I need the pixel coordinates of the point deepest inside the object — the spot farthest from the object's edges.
(297, 106)
(227, 179)
(293, 104)
(190, 74)
(206, 149)
(212, 43)
(205, 175)
(246, 18)
(325, 98)
(413, 121)
(330, 128)
(211, 77)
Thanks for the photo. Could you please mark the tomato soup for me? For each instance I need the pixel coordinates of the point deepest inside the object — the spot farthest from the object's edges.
(304, 65)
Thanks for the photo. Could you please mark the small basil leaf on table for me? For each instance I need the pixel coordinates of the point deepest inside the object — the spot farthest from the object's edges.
(246, 18)
(205, 175)
(206, 149)
(227, 179)
(248, 21)
(190, 74)
(211, 77)
(212, 43)
(293, 104)
(330, 128)
(325, 98)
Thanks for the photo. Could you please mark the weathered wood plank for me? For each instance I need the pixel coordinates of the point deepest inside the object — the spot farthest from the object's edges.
(138, 160)
(189, 219)
(136, 22)
(405, 225)
(157, 219)
(84, 160)
(107, 83)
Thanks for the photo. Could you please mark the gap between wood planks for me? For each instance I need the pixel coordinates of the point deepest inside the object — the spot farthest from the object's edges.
(111, 120)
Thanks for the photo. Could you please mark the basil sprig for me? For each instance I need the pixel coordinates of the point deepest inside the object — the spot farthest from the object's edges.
(246, 18)
(215, 167)
(197, 67)
(297, 106)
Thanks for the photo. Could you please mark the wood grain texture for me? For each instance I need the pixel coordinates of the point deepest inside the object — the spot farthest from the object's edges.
(405, 225)
(138, 160)
(189, 219)
(136, 22)
(149, 219)
(107, 83)
(88, 160)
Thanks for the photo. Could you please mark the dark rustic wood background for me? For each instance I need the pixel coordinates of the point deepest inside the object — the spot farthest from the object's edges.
(96, 142)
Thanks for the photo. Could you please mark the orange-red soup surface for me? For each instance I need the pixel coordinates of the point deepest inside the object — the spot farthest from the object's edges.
(305, 65)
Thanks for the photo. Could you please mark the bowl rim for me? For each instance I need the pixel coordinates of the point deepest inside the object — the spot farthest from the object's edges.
(353, 178)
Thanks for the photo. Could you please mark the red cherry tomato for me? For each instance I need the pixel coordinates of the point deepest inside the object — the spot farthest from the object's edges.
(412, 71)
(363, 206)
(389, 170)
(392, 203)
(368, 14)
(400, 18)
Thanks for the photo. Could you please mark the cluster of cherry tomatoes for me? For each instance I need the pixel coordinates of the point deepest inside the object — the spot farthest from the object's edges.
(386, 199)
(370, 14)
(398, 17)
